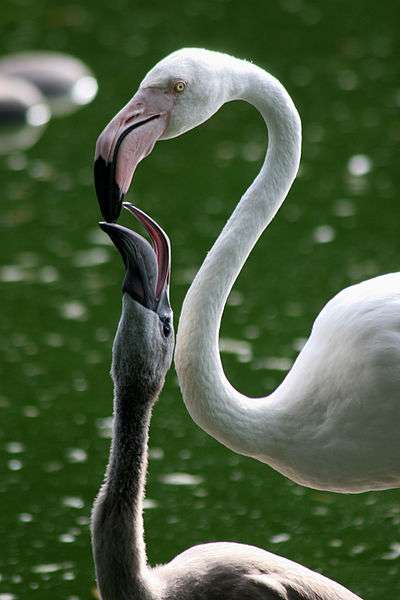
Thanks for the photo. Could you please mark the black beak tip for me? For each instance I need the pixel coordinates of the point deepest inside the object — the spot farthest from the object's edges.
(108, 193)
(111, 229)
(105, 226)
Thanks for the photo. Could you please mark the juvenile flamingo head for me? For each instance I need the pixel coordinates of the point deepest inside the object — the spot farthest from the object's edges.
(145, 337)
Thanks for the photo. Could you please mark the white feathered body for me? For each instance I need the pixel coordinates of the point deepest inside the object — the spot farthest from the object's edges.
(334, 422)
(339, 406)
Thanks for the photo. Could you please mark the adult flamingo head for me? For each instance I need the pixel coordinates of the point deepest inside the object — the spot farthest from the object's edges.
(180, 92)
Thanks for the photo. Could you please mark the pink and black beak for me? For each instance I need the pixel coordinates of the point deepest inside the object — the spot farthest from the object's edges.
(147, 266)
(126, 140)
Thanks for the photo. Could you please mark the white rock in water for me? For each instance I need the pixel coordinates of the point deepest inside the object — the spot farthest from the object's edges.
(23, 114)
(65, 81)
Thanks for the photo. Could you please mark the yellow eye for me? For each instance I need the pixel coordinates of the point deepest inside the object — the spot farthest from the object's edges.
(179, 86)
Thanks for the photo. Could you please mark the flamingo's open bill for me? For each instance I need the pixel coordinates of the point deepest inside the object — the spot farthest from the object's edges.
(147, 266)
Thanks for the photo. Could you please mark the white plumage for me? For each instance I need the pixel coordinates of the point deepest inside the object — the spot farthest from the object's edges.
(333, 423)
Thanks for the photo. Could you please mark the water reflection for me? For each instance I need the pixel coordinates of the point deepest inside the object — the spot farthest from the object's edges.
(23, 114)
(33, 87)
(181, 479)
(65, 81)
(48, 220)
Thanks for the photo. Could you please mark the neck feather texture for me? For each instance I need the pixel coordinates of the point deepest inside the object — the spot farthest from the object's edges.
(117, 521)
(229, 416)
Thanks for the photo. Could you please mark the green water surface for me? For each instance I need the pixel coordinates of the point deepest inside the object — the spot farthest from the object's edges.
(60, 282)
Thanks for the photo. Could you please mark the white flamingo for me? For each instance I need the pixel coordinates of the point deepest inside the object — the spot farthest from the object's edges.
(333, 423)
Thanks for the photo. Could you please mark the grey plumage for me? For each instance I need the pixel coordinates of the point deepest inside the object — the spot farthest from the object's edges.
(142, 355)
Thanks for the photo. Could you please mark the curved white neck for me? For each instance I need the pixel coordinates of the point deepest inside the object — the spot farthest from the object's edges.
(213, 403)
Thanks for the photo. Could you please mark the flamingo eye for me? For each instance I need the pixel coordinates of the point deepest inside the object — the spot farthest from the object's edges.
(166, 326)
(179, 87)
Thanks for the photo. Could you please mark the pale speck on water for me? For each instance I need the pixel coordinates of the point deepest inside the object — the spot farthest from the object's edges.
(323, 234)
(185, 276)
(73, 502)
(73, 310)
(321, 511)
(66, 538)
(47, 568)
(294, 309)
(55, 340)
(148, 503)
(181, 479)
(84, 90)
(252, 151)
(91, 257)
(38, 115)
(39, 169)
(251, 332)
(273, 363)
(185, 454)
(105, 427)
(235, 298)
(31, 411)
(47, 274)
(76, 455)
(12, 274)
(394, 552)
(359, 165)
(15, 465)
(364, 270)
(53, 467)
(17, 161)
(240, 348)
(358, 549)
(226, 150)
(25, 518)
(15, 447)
(156, 453)
(279, 538)
(299, 343)
(80, 384)
(344, 208)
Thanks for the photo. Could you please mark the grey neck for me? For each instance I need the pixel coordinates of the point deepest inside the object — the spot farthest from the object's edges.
(117, 521)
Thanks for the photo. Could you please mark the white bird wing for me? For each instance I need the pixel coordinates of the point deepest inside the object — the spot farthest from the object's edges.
(275, 587)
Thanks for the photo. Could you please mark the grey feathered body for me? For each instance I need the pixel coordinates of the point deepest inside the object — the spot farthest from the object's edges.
(229, 571)
(214, 571)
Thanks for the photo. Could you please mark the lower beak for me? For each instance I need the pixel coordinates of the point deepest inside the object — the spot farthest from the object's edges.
(126, 140)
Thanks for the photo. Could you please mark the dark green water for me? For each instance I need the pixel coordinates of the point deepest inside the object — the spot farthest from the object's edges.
(60, 283)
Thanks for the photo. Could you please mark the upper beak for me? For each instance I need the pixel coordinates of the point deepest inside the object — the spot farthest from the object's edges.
(126, 140)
